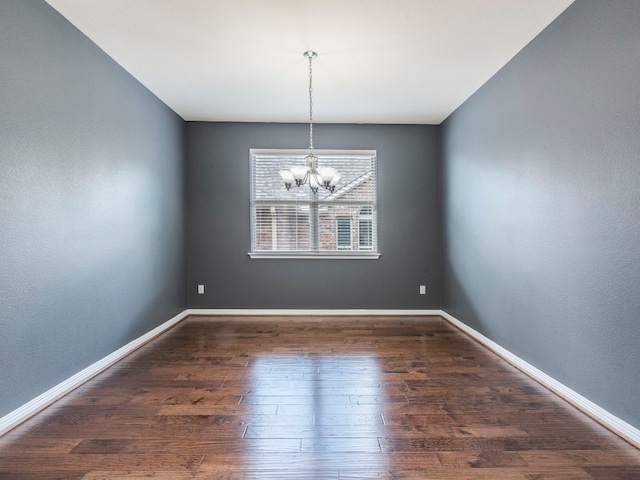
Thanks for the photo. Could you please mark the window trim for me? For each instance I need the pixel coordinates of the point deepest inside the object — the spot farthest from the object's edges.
(322, 254)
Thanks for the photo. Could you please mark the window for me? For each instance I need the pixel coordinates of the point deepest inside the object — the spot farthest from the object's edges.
(298, 223)
(365, 228)
(344, 233)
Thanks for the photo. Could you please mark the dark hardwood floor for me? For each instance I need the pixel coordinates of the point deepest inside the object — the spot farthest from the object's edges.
(313, 398)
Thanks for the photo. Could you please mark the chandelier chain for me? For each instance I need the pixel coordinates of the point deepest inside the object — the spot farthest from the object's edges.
(310, 103)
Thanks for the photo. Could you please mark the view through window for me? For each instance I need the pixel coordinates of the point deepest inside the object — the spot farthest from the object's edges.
(298, 222)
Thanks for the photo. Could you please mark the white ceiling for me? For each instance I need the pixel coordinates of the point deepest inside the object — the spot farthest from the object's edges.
(379, 61)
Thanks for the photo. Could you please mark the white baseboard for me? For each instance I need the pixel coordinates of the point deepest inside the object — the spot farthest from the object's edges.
(599, 414)
(29, 409)
(307, 312)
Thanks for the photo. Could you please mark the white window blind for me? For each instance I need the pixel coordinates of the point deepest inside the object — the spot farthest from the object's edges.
(299, 222)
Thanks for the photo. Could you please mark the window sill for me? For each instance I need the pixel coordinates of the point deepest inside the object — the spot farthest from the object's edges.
(342, 255)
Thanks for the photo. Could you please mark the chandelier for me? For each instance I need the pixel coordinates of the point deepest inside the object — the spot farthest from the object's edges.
(310, 173)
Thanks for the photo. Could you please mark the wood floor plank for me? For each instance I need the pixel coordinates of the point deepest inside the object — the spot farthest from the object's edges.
(137, 475)
(46, 464)
(316, 431)
(313, 398)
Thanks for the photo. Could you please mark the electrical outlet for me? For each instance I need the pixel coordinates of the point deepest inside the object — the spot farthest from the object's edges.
(200, 289)
(423, 289)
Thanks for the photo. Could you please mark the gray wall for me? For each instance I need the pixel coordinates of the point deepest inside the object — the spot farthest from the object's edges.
(91, 204)
(219, 218)
(541, 205)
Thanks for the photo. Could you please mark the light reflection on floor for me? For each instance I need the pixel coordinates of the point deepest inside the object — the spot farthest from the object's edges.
(328, 405)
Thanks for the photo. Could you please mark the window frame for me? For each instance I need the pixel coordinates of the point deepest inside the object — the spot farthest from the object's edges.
(353, 253)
